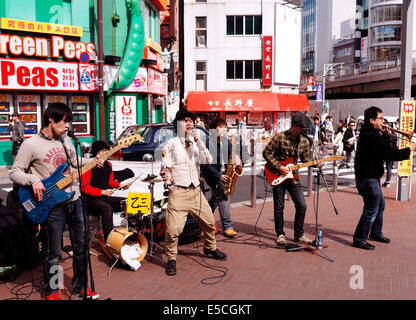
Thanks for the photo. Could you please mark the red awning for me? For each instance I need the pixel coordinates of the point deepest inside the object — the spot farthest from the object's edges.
(246, 101)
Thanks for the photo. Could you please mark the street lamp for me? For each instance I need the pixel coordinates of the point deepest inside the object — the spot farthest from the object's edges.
(329, 69)
(168, 57)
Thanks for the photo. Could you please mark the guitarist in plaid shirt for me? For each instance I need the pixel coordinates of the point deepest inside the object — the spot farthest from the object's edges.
(284, 145)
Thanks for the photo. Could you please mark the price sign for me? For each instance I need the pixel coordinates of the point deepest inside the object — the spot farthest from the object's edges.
(139, 203)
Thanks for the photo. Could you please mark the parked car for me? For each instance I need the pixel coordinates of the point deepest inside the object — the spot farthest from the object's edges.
(153, 139)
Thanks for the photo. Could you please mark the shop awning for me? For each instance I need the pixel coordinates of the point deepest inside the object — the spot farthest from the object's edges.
(246, 101)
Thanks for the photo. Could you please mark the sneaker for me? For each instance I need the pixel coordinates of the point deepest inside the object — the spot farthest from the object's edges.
(230, 233)
(386, 184)
(281, 241)
(90, 294)
(303, 240)
(171, 268)
(53, 296)
(216, 254)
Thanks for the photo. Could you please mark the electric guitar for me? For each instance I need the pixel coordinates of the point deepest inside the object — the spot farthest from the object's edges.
(274, 177)
(38, 211)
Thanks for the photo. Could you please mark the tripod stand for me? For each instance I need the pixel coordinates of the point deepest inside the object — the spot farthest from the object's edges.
(151, 180)
(315, 244)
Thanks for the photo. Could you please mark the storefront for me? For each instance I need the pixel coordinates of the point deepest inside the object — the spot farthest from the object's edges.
(251, 107)
(29, 82)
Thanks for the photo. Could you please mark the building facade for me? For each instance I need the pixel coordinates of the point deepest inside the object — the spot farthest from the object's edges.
(48, 53)
(243, 60)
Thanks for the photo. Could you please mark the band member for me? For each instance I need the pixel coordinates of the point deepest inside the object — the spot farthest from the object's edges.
(38, 158)
(289, 143)
(214, 174)
(17, 128)
(181, 160)
(372, 150)
(99, 185)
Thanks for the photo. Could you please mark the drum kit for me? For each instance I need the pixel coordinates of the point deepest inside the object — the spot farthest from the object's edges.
(134, 232)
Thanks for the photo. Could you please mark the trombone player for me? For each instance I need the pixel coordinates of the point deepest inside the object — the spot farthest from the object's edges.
(372, 150)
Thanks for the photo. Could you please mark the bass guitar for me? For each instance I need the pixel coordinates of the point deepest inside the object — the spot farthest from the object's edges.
(274, 177)
(38, 211)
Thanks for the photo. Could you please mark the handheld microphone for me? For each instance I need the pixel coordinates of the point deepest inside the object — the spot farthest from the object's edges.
(71, 134)
(189, 137)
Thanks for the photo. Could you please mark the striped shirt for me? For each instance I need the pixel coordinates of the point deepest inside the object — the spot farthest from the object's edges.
(283, 146)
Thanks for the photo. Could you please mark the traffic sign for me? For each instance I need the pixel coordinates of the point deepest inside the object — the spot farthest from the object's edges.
(84, 57)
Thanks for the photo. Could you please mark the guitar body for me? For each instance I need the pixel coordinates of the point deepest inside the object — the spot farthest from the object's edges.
(274, 177)
(37, 211)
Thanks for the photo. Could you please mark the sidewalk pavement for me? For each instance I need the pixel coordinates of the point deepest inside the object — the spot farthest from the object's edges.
(257, 270)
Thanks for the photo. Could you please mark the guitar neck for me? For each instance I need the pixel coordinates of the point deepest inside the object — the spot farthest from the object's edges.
(310, 163)
(75, 175)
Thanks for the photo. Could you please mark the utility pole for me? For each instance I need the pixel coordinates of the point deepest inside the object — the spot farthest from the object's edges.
(100, 61)
(403, 188)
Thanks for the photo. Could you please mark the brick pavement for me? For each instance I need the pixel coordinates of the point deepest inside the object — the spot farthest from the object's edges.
(256, 270)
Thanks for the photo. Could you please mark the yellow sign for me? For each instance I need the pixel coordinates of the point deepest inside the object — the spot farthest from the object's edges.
(139, 203)
(153, 45)
(40, 27)
(407, 122)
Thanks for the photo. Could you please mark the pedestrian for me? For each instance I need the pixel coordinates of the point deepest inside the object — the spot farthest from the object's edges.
(338, 144)
(38, 158)
(372, 149)
(347, 119)
(215, 174)
(316, 132)
(289, 144)
(349, 140)
(323, 147)
(181, 160)
(199, 122)
(17, 129)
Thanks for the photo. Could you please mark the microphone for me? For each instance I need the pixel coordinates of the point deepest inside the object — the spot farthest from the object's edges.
(71, 134)
(189, 137)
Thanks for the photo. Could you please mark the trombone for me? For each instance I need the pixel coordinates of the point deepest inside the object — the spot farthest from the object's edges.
(407, 135)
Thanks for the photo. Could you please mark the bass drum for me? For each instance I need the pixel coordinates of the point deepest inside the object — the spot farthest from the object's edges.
(119, 236)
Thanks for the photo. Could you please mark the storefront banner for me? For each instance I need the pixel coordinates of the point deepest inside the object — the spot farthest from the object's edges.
(267, 60)
(40, 27)
(125, 112)
(157, 82)
(22, 74)
(88, 75)
(407, 118)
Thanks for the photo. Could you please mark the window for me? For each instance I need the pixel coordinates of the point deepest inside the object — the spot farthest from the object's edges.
(201, 76)
(201, 1)
(244, 69)
(238, 25)
(201, 32)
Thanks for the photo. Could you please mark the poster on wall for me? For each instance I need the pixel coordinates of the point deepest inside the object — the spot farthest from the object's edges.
(407, 116)
(125, 112)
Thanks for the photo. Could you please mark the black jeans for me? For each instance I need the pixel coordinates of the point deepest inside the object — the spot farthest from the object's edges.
(104, 207)
(71, 214)
(296, 194)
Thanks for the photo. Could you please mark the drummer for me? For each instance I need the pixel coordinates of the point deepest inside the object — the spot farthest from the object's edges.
(99, 185)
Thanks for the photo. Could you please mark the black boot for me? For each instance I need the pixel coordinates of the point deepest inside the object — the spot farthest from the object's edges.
(216, 254)
(171, 268)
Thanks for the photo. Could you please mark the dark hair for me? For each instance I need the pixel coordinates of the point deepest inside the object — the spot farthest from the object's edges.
(315, 118)
(216, 122)
(57, 111)
(97, 146)
(371, 113)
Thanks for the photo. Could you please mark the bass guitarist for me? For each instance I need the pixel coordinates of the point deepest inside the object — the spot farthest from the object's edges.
(37, 159)
(283, 146)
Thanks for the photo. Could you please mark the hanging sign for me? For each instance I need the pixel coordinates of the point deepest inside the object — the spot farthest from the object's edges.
(407, 124)
(267, 60)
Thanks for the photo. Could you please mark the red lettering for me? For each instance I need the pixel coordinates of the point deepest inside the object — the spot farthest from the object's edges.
(39, 77)
(7, 69)
(51, 74)
(23, 76)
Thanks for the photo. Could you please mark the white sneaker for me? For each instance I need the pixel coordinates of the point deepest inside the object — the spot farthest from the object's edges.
(281, 241)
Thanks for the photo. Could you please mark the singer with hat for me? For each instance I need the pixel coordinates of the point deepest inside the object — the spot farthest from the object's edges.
(38, 158)
(289, 144)
(180, 170)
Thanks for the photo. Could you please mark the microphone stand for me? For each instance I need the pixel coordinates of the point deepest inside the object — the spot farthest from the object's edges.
(86, 240)
(315, 244)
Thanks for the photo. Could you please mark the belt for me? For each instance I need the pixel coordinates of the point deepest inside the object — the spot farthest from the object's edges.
(191, 186)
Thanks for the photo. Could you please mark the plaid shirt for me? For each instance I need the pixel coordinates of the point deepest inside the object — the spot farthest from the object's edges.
(283, 146)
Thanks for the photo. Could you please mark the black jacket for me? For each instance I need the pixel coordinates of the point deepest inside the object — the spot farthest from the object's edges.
(347, 135)
(372, 150)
